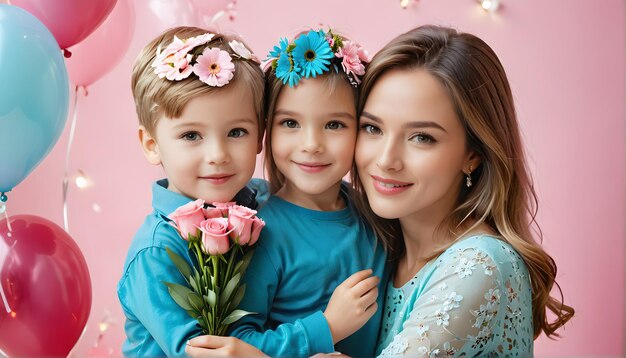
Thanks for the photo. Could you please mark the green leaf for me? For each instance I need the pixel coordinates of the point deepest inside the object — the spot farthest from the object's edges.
(210, 298)
(234, 316)
(195, 300)
(238, 296)
(193, 314)
(194, 286)
(180, 263)
(228, 290)
(179, 294)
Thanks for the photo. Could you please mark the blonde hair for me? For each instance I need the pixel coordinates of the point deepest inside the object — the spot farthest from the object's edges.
(273, 87)
(503, 195)
(156, 96)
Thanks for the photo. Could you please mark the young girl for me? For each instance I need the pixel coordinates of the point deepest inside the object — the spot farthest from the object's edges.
(439, 156)
(313, 239)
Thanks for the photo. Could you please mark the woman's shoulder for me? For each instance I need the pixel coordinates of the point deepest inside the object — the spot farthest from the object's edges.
(481, 247)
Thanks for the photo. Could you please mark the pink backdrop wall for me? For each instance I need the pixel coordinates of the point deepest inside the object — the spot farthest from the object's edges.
(565, 61)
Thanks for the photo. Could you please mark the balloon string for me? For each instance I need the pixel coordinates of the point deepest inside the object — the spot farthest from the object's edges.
(4, 298)
(67, 158)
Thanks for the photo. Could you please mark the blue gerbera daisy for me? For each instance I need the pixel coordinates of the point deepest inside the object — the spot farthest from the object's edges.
(280, 48)
(312, 54)
(287, 70)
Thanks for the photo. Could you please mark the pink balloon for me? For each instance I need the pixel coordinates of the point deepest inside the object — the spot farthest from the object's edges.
(104, 49)
(70, 21)
(45, 288)
(210, 7)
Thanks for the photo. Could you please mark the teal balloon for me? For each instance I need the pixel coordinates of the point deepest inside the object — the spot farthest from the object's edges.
(34, 94)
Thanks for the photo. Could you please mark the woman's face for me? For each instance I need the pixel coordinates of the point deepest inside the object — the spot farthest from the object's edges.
(411, 150)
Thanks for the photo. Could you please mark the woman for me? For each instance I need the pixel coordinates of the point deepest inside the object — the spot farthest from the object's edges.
(440, 160)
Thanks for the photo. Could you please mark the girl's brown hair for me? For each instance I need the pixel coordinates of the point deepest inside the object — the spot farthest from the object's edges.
(503, 195)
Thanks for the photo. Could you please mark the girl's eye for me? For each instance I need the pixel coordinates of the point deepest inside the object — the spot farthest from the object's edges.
(191, 136)
(237, 132)
(422, 138)
(370, 129)
(289, 123)
(335, 125)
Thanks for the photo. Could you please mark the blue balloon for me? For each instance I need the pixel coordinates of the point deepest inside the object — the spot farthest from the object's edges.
(34, 94)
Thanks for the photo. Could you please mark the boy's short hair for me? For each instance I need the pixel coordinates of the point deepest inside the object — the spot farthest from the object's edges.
(156, 96)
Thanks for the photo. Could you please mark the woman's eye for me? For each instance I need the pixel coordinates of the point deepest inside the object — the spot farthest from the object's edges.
(370, 129)
(191, 136)
(237, 133)
(422, 138)
(289, 123)
(335, 125)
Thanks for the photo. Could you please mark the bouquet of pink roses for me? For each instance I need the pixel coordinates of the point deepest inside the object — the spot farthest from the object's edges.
(220, 239)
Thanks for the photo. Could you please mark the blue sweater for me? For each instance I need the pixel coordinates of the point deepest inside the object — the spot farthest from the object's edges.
(301, 257)
(155, 325)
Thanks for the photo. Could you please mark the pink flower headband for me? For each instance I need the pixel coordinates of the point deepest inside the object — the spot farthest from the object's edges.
(213, 66)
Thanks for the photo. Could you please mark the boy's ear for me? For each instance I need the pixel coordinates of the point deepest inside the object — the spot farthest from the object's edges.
(149, 146)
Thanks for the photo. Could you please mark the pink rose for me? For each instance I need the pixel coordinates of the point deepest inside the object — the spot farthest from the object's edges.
(225, 207)
(241, 219)
(257, 225)
(215, 236)
(188, 217)
(212, 213)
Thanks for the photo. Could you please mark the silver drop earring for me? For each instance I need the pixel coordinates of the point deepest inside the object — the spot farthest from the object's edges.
(468, 178)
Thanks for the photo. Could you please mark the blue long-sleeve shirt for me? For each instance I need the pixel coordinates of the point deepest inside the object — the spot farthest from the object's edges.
(301, 257)
(155, 325)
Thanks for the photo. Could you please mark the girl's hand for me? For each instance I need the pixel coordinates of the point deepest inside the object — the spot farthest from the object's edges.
(352, 304)
(216, 346)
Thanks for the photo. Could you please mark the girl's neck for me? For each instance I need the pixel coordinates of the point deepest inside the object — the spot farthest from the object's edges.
(328, 200)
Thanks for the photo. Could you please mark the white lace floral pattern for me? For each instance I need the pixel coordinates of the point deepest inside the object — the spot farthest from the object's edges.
(473, 300)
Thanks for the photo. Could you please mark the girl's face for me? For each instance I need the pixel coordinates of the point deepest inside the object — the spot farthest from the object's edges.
(411, 151)
(313, 137)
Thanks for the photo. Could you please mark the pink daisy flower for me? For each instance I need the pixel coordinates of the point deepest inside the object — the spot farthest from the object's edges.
(214, 67)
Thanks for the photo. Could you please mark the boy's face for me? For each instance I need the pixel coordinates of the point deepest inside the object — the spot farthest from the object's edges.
(210, 151)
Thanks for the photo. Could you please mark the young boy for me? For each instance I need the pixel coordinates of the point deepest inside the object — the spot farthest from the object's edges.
(199, 99)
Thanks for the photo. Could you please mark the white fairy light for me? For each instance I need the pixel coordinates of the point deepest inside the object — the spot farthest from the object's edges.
(81, 180)
(490, 5)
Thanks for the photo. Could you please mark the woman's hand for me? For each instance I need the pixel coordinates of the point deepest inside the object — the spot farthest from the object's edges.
(216, 346)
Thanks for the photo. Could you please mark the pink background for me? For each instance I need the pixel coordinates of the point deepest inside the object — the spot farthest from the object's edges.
(565, 61)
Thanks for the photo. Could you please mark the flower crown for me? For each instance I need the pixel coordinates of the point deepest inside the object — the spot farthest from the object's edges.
(213, 65)
(312, 53)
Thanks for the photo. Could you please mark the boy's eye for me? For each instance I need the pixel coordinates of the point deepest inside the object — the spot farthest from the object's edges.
(289, 123)
(335, 125)
(191, 136)
(370, 129)
(237, 132)
(422, 138)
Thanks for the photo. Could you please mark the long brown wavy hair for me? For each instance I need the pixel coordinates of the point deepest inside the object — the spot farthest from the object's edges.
(503, 195)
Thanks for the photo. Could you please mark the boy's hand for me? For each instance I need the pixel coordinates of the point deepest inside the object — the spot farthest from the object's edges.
(216, 346)
(352, 304)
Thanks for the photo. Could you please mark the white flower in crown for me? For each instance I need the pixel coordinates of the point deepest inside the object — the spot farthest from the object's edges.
(174, 62)
(240, 49)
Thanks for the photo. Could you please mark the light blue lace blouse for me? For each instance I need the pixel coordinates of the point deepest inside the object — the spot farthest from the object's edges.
(472, 300)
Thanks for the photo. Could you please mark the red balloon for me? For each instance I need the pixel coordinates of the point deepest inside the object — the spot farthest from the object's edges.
(70, 21)
(45, 288)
